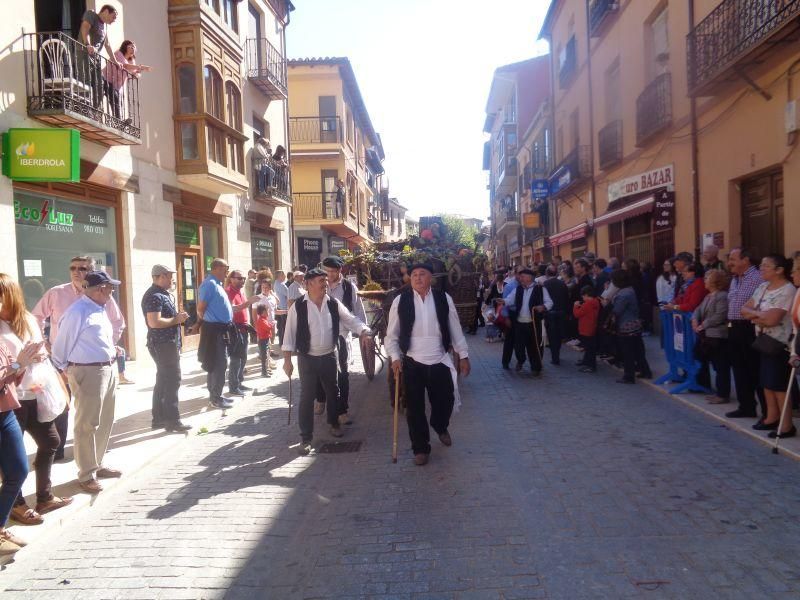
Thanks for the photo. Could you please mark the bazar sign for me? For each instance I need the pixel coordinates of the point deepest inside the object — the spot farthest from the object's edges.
(42, 154)
(643, 182)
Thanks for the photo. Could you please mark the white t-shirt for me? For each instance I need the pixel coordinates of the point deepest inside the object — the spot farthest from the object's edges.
(271, 302)
(782, 298)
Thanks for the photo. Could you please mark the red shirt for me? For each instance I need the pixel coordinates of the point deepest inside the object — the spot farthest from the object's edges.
(236, 297)
(263, 328)
(587, 314)
(693, 296)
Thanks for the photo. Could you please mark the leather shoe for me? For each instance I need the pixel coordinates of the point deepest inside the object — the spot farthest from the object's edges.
(319, 407)
(106, 473)
(336, 431)
(762, 426)
(178, 427)
(518, 367)
(245, 388)
(505, 366)
(156, 425)
(92, 486)
(740, 414)
(446, 439)
(786, 434)
(420, 459)
(623, 380)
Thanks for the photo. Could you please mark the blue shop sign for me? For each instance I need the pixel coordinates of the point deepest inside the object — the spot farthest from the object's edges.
(562, 178)
(540, 189)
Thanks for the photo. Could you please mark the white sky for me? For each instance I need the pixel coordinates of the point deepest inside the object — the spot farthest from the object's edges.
(424, 68)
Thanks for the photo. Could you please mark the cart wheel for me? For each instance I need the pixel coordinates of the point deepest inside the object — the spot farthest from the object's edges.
(368, 358)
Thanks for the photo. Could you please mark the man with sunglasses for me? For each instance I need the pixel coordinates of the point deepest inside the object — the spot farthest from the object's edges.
(238, 349)
(54, 304)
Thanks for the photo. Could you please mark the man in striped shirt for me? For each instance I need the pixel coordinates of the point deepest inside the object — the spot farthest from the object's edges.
(741, 333)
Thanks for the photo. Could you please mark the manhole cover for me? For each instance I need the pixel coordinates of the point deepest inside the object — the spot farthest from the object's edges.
(339, 447)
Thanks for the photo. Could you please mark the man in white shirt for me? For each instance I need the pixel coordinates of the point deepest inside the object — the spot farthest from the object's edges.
(423, 327)
(312, 329)
(527, 307)
(296, 288)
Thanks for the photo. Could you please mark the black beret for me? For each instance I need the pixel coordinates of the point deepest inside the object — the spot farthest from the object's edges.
(524, 272)
(421, 265)
(333, 262)
(315, 272)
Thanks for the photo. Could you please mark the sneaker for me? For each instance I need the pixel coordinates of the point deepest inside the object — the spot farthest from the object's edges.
(221, 403)
(304, 449)
(238, 393)
(245, 388)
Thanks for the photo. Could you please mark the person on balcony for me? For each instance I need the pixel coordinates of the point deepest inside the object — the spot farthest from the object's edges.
(94, 35)
(266, 174)
(340, 194)
(117, 74)
(281, 166)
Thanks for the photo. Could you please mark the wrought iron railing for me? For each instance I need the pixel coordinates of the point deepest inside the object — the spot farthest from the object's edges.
(730, 31)
(654, 108)
(266, 64)
(504, 216)
(271, 179)
(569, 64)
(315, 130)
(609, 142)
(375, 231)
(599, 10)
(62, 77)
(320, 205)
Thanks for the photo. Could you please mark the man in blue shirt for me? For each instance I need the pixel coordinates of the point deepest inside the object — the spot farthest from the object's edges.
(215, 317)
(85, 351)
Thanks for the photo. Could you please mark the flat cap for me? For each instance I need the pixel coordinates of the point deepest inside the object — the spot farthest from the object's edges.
(333, 262)
(315, 272)
(527, 271)
(421, 265)
(159, 270)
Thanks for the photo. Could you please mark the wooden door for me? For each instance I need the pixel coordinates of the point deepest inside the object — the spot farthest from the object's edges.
(190, 275)
(762, 214)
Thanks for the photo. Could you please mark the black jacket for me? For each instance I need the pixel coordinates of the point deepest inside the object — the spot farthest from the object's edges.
(559, 294)
(207, 348)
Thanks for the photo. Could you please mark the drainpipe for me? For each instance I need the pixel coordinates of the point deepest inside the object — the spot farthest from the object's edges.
(695, 151)
(288, 152)
(591, 123)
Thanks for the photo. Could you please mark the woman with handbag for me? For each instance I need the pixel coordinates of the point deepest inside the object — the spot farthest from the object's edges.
(768, 310)
(17, 329)
(625, 307)
(710, 323)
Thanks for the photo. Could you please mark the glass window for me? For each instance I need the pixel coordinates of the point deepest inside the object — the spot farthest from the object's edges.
(213, 91)
(230, 16)
(215, 142)
(210, 245)
(189, 149)
(233, 108)
(187, 90)
(263, 251)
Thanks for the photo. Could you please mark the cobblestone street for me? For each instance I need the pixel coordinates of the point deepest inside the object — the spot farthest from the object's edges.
(566, 487)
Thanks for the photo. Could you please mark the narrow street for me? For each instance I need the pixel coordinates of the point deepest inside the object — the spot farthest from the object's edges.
(566, 487)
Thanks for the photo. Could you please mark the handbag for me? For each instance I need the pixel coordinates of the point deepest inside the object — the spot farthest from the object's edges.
(632, 327)
(766, 344)
(51, 396)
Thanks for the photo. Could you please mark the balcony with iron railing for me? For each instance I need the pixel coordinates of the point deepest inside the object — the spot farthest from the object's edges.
(315, 130)
(739, 34)
(568, 63)
(506, 218)
(266, 68)
(599, 12)
(322, 208)
(271, 182)
(654, 109)
(609, 143)
(68, 87)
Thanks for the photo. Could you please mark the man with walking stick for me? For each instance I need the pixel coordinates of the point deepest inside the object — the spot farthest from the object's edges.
(312, 330)
(423, 328)
(528, 307)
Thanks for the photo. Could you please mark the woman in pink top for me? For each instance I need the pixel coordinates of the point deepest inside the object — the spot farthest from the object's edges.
(117, 74)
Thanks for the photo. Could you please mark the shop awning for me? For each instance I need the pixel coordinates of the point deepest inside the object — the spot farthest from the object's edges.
(568, 235)
(640, 207)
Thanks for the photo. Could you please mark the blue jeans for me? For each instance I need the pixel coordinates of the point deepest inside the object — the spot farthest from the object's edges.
(13, 463)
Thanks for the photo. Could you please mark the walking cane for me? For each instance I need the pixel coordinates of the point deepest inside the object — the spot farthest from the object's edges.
(787, 407)
(536, 340)
(289, 421)
(396, 408)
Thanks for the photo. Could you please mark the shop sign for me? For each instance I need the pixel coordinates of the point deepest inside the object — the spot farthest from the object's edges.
(58, 216)
(643, 182)
(532, 220)
(540, 189)
(187, 234)
(538, 243)
(664, 211)
(513, 244)
(561, 179)
(262, 244)
(335, 244)
(42, 155)
(310, 244)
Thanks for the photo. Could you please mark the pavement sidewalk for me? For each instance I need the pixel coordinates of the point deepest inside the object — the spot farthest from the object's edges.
(133, 444)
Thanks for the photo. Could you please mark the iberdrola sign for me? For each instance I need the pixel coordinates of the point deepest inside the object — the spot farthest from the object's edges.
(42, 155)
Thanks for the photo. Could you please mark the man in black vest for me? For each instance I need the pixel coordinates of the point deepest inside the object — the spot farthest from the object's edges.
(347, 293)
(423, 327)
(555, 318)
(312, 330)
(528, 306)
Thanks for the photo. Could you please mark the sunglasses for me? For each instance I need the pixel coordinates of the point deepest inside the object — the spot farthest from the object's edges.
(81, 269)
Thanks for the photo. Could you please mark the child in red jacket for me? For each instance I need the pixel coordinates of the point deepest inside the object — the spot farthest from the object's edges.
(264, 329)
(587, 312)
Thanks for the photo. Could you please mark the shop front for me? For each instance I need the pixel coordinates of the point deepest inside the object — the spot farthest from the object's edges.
(53, 224)
(262, 249)
(571, 242)
(309, 251)
(336, 244)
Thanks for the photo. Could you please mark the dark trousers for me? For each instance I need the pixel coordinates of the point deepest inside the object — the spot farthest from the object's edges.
(47, 440)
(215, 380)
(13, 463)
(438, 382)
(526, 342)
(313, 371)
(744, 362)
(167, 357)
(479, 321)
(62, 427)
(720, 358)
(510, 347)
(281, 320)
(343, 379)
(238, 361)
(589, 343)
(554, 322)
(633, 356)
(263, 355)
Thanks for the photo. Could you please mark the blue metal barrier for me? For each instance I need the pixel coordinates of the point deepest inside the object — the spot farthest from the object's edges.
(678, 343)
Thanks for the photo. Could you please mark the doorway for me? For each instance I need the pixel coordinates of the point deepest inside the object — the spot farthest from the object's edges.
(59, 15)
(762, 214)
(189, 274)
